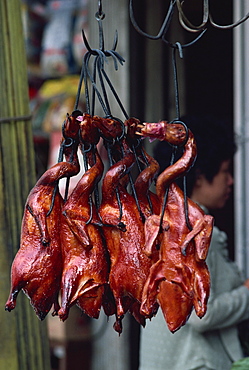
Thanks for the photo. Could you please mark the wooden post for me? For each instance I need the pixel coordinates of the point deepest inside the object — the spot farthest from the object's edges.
(23, 339)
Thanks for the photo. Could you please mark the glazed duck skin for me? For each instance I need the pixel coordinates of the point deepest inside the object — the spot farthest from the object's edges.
(182, 251)
(186, 271)
(147, 198)
(37, 266)
(124, 233)
(148, 201)
(173, 133)
(85, 271)
(129, 265)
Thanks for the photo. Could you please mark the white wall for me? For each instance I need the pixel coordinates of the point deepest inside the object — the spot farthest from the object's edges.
(241, 121)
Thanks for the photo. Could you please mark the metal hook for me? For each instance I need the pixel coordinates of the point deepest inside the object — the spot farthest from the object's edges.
(100, 14)
(98, 76)
(100, 58)
(229, 26)
(101, 36)
(164, 27)
(179, 46)
(105, 53)
(188, 26)
(177, 120)
(186, 23)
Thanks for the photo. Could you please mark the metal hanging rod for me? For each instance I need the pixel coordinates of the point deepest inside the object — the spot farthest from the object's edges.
(207, 19)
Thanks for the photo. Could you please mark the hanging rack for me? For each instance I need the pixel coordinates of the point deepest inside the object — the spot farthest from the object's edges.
(177, 46)
(98, 76)
(188, 26)
(183, 20)
(93, 74)
(207, 18)
(165, 25)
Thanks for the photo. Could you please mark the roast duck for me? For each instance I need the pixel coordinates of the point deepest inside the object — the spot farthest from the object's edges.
(124, 232)
(179, 279)
(85, 264)
(37, 266)
(126, 249)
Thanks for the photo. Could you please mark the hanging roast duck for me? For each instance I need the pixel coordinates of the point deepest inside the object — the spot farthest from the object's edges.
(148, 201)
(37, 266)
(124, 232)
(179, 280)
(86, 268)
(175, 134)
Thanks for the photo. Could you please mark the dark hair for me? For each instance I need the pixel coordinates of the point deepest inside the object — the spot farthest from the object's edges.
(215, 144)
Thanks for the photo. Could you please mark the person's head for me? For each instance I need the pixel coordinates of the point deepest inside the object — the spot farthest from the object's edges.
(209, 181)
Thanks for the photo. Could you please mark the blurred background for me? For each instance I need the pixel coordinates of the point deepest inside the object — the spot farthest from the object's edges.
(212, 78)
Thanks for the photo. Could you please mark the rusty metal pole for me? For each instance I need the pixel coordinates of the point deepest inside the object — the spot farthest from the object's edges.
(23, 339)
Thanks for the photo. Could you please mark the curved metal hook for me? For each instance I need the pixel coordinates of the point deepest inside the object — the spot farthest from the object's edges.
(186, 23)
(229, 26)
(164, 27)
(87, 44)
(93, 51)
(100, 14)
(104, 53)
(83, 149)
(188, 26)
(176, 120)
(179, 46)
(123, 129)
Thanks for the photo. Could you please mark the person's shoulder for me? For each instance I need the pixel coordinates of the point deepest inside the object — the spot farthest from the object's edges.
(218, 243)
(219, 235)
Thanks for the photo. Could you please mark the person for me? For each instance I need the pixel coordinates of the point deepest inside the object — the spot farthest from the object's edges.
(213, 341)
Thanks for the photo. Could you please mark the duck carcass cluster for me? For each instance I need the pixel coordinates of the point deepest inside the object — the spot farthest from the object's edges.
(127, 250)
